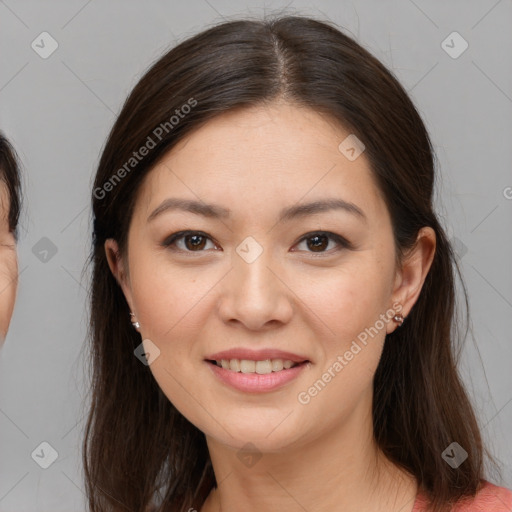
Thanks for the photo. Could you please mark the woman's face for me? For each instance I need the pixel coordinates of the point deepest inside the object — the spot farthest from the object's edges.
(8, 264)
(253, 279)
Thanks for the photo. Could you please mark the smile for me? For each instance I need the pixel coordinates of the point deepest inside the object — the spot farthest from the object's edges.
(260, 367)
(256, 376)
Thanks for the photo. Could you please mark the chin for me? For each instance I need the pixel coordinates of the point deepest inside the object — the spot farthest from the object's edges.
(268, 436)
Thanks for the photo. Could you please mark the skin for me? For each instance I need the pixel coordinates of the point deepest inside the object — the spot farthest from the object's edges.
(8, 265)
(320, 456)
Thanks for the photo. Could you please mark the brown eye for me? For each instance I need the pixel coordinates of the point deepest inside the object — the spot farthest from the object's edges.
(318, 242)
(188, 241)
(195, 242)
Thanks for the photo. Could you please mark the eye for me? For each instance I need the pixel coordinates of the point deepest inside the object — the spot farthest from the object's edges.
(193, 241)
(318, 241)
(196, 241)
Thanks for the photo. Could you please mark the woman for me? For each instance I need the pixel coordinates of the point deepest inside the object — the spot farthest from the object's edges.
(272, 293)
(10, 199)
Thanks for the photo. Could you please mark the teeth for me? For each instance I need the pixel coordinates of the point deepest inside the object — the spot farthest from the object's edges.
(277, 365)
(261, 367)
(264, 366)
(247, 366)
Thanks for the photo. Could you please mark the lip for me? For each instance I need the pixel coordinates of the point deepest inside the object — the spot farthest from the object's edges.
(255, 382)
(256, 355)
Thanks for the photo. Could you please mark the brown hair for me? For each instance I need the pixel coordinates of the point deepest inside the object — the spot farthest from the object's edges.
(10, 175)
(138, 448)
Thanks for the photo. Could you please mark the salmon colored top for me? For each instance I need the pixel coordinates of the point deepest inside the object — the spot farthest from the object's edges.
(490, 498)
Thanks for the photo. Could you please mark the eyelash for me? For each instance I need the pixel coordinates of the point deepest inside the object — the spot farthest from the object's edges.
(342, 242)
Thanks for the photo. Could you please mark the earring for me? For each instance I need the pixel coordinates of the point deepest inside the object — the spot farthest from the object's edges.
(135, 324)
(399, 319)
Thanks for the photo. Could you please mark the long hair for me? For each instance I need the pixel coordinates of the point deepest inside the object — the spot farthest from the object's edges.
(10, 175)
(139, 451)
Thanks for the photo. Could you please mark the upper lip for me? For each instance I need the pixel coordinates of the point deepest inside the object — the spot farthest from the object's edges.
(256, 355)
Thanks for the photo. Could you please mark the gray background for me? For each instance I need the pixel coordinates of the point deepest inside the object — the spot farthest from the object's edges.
(58, 111)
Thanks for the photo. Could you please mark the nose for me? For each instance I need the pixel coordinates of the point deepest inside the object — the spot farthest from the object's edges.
(255, 294)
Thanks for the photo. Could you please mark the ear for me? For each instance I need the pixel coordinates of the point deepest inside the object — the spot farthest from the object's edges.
(413, 272)
(118, 268)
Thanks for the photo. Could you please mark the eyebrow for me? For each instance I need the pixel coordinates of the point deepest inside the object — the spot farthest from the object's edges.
(218, 212)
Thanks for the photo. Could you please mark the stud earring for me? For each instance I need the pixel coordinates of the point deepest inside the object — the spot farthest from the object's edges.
(399, 319)
(135, 324)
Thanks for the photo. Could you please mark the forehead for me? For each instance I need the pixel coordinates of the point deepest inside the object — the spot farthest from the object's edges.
(261, 158)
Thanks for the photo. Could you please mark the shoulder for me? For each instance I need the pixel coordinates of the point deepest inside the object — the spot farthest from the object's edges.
(490, 498)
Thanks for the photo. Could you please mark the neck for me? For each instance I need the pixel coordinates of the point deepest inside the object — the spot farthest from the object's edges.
(341, 469)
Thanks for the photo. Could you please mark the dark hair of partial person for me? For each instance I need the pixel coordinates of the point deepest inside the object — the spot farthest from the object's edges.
(10, 175)
(139, 452)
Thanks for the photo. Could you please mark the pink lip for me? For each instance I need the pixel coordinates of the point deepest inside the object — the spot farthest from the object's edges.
(256, 355)
(255, 382)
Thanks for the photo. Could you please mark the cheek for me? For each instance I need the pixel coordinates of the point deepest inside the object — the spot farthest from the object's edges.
(350, 305)
(346, 300)
(169, 299)
(349, 301)
(172, 307)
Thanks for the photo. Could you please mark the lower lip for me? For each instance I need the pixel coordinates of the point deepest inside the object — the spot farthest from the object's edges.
(256, 382)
